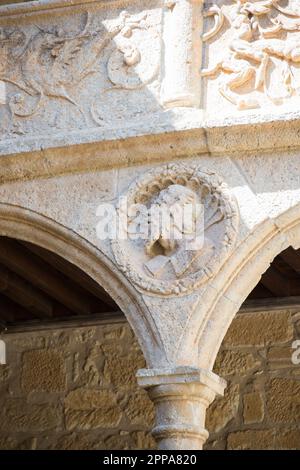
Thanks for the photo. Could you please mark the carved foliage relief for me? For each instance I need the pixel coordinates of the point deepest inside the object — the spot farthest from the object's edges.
(164, 263)
(252, 52)
(79, 71)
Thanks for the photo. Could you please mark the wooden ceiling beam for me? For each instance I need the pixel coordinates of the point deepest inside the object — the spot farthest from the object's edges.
(20, 260)
(292, 258)
(23, 293)
(275, 282)
(11, 312)
(74, 273)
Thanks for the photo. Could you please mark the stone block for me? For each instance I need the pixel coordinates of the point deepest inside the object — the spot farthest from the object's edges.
(17, 416)
(259, 329)
(235, 362)
(43, 370)
(223, 409)
(140, 409)
(91, 409)
(253, 408)
(288, 439)
(120, 370)
(251, 440)
(283, 400)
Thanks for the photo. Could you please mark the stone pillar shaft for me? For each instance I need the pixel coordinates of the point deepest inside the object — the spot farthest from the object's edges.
(181, 397)
(182, 57)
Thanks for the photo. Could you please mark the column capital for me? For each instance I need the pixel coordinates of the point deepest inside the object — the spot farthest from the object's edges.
(181, 375)
(181, 396)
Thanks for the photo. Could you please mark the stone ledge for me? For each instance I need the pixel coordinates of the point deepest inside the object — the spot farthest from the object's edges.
(22, 8)
(81, 151)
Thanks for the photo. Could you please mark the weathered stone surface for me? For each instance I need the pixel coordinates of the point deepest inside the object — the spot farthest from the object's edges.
(115, 333)
(251, 440)
(215, 444)
(140, 409)
(91, 409)
(23, 342)
(280, 357)
(43, 370)
(119, 370)
(84, 420)
(223, 410)
(75, 441)
(259, 329)
(253, 408)
(283, 400)
(84, 335)
(5, 372)
(99, 418)
(280, 353)
(87, 399)
(8, 443)
(143, 440)
(18, 416)
(15, 444)
(235, 362)
(287, 439)
(118, 441)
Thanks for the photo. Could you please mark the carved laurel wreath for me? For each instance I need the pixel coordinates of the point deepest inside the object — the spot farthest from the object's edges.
(143, 190)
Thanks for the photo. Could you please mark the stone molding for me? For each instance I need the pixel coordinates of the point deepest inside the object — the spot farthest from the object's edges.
(61, 154)
(46, 5)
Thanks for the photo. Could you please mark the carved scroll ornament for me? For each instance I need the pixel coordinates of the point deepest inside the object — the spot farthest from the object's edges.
(169, 265)
(47, 64)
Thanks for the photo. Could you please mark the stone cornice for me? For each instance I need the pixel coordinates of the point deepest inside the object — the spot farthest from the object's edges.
(24, 8)
(30, 158)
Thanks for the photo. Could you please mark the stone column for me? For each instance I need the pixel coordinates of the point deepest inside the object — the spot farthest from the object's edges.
(181, 397)
(182, 53)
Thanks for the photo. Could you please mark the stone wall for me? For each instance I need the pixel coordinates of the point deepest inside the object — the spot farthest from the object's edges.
(261, 406)
(76, 389)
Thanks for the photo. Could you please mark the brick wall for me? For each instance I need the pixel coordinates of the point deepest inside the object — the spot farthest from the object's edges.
(76, 389)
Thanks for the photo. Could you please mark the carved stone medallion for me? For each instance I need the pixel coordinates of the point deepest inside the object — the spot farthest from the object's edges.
(179, 226)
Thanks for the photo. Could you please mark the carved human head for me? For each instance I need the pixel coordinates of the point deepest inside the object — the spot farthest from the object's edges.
(173, 227)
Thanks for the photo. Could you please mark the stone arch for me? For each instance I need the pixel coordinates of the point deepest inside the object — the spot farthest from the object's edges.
(242, 273)
(27, 225)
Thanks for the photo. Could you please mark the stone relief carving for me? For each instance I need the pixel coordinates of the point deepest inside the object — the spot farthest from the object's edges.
(263, 50)
(164, 263)
(46, 63)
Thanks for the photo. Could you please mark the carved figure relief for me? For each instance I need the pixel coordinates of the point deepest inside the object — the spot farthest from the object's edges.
(51, 63)
(177, 258)
(128, 66)
(264, 48)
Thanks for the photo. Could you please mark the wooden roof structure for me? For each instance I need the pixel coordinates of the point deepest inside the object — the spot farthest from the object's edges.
(39, 289)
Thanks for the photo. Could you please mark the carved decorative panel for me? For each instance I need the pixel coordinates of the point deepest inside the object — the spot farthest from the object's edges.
(83, 70)
(252, 54)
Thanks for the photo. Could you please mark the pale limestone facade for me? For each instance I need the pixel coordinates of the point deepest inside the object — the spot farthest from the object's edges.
(98, 102)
